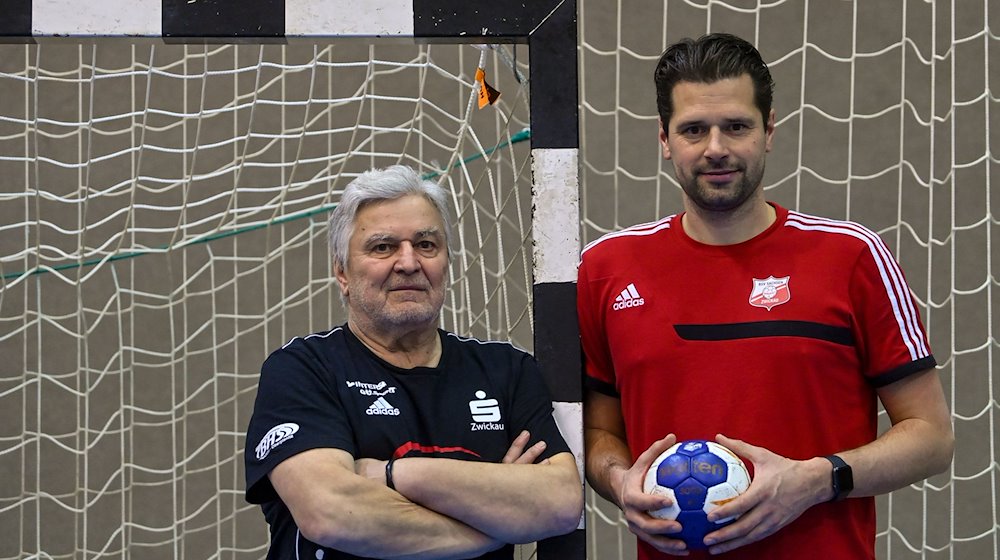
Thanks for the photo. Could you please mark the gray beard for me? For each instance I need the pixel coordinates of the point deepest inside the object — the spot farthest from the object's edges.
(400, 319)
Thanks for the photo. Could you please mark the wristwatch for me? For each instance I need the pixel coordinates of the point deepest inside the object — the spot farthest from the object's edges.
(843, 478)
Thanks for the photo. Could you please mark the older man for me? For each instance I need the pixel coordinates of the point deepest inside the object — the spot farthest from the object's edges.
(387, 437)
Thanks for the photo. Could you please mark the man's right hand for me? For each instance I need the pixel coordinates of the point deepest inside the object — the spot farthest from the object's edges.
(636, 504)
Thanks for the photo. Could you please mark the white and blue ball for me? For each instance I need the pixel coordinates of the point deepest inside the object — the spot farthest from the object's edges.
(698, 476)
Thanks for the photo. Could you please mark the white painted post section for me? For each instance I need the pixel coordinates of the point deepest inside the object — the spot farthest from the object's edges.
(556, 239)
(132, 18)
(348, 18)
(556, 221)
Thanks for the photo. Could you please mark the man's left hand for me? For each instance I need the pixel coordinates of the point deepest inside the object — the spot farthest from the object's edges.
(518, 455)
(781, 490)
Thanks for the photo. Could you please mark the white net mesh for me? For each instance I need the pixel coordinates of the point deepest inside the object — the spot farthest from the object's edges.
(885, 111)
(166, 195)
(162, 228)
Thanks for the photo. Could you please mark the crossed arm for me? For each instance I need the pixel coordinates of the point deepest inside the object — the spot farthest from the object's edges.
(441, 508)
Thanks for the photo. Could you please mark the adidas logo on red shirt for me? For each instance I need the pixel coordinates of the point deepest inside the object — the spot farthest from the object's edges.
(628, 298)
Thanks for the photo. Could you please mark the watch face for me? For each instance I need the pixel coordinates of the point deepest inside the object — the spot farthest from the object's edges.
(843, 478)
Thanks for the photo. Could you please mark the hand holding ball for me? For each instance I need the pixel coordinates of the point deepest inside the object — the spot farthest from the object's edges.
(699, 476)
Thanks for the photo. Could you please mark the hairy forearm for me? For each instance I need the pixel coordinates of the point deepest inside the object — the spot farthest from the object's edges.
(381, 523)
(334, 507)
(607, 459)
(607, 452)
(511, 502)
(911, 450)
(919, 444)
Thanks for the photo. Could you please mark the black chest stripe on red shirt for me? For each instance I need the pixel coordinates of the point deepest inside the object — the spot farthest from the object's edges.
(760, 329)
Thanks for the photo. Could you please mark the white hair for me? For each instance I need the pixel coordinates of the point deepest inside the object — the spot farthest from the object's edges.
(379, 185)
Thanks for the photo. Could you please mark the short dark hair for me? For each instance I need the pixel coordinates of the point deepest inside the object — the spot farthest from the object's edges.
(708, 59)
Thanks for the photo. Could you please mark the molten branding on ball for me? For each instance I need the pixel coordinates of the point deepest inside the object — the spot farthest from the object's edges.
(699, 476)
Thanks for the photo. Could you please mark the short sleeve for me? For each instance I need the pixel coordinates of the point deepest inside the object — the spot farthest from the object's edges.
(531, 407)
(297, 409)
(892, 341)
(598, 368)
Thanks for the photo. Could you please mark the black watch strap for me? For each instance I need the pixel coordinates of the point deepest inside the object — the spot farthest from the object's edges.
(843, 478)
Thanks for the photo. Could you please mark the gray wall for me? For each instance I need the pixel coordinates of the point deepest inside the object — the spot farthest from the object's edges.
(883, 117)
(125, 387)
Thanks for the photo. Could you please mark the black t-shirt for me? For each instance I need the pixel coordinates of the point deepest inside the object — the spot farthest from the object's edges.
(328, 390)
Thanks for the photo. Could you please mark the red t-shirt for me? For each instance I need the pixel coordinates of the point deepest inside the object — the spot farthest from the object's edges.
(779, 341)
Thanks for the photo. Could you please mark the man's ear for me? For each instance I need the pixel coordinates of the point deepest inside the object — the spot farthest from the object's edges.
(769, 131)
(664, 146)
(341, 275)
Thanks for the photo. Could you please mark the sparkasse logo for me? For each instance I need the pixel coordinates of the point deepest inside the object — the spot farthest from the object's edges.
(485, 413)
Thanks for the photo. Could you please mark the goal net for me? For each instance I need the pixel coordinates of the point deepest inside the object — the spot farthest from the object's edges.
(884, 112)
(162, 229)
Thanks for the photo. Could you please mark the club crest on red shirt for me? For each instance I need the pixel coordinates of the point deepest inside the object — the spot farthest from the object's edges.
(770, 292)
